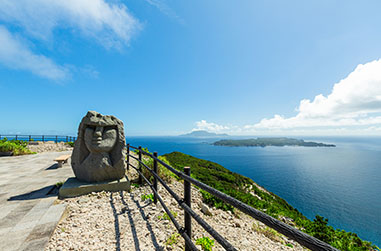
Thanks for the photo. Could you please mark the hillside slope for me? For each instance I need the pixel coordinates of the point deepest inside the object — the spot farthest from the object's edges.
(247, 191)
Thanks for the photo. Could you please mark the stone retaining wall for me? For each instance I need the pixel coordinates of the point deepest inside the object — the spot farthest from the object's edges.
(49, 146)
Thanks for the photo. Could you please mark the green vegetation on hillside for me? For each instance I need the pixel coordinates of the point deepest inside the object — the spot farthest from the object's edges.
(247, 191)
(269, 142)
(70, 143)
(163, 172)
(16, 147)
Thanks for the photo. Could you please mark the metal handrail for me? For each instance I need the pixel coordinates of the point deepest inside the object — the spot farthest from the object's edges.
(291, 232)
(186, 208)
(36, 137)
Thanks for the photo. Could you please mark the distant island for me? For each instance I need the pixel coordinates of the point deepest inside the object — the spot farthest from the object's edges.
(203, 134)
(269, 142)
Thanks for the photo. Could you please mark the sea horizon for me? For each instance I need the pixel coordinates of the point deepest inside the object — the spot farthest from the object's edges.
(315, 180)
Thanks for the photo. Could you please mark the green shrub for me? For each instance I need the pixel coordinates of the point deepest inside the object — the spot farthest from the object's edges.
(145, 197)
(145, 149)
(340, 239)
(163, 172)
(16, 147)
(206, 243)
(71, 143)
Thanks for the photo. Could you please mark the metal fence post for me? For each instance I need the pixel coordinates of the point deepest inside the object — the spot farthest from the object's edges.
(155, 170)
(30, 137)
(16, 137)
(187, 200)
(42, 138)
(140, 165)
(56, 139)
(67, 138)
(128, 157)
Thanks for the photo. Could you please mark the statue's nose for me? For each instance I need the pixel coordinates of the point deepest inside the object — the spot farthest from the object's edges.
(98, 131)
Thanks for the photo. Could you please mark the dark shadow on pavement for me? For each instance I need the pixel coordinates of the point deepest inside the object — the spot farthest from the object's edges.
(48, 191)
(52, 167)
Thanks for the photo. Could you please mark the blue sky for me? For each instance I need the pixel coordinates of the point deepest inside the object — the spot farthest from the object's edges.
(168, 67)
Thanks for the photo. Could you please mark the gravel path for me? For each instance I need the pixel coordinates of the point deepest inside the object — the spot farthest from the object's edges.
(123, 221)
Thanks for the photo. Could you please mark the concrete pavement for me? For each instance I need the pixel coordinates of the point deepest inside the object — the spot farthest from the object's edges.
(28, 213)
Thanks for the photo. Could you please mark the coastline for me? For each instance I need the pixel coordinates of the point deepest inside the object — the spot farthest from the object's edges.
(299, 174)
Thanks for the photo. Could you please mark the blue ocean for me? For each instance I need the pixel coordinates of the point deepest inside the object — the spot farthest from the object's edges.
(342, 183)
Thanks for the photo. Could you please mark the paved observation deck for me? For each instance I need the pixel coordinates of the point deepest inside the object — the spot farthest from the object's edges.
(28, 212)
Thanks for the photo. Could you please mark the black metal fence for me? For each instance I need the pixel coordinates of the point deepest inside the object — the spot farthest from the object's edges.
(186, 231)
(43, 138)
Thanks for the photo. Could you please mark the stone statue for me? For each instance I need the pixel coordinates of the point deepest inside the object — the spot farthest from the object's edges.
(98, 153)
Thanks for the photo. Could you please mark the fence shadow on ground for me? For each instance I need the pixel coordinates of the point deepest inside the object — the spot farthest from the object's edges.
(128, 210)
(116, 222)
(149, 227)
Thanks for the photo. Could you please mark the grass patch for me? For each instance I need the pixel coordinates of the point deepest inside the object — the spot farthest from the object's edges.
(165, 216)
(268, 232)
(59, 184)
(173, 239)
(135, 185)
(206, 243)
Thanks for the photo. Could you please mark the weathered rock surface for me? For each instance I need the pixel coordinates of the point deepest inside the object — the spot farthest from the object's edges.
(98, 153)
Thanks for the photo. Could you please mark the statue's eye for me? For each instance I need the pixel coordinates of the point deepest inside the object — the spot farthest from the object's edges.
(107, 128)
(91, 127)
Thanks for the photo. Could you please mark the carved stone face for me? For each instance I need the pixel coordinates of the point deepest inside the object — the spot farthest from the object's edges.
(99, 151)
(100, 138)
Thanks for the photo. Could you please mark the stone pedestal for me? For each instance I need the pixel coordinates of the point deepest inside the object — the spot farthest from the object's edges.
(74, 187)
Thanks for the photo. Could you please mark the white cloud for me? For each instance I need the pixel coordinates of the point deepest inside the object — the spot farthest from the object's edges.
(353, 107)
(14, 54)
(354, 101)
(110, 24)
(165, 9)
(210, 127)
